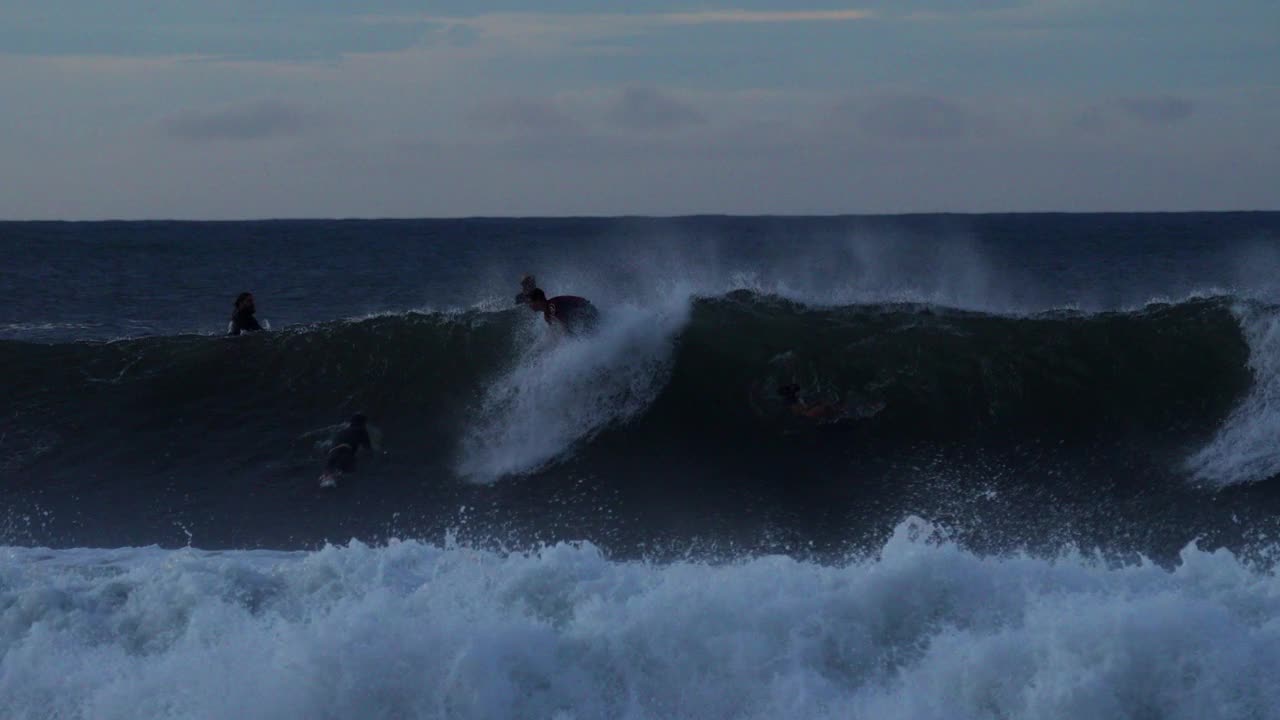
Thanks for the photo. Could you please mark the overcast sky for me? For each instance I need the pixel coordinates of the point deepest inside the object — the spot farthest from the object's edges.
(391, 108)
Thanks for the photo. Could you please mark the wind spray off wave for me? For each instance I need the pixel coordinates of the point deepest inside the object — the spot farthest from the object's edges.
(563, 390)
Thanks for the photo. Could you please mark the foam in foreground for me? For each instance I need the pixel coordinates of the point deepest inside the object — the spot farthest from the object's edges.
(924, 630)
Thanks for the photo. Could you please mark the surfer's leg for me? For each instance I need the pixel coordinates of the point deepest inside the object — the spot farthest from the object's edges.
(342, 459)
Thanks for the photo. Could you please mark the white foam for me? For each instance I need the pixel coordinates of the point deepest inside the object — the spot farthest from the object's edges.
(44, 326)
(926, 630)
(562, 390)
(1246, 448)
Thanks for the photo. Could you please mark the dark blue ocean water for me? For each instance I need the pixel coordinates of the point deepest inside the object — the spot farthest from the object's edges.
(69, 281)
(1033, 471)
(1113, 369)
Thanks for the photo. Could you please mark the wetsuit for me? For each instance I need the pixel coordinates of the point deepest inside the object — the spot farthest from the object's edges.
(576, 314)
(243, 321)
(342, 456)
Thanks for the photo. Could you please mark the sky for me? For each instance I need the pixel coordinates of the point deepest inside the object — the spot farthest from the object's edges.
(190, 109)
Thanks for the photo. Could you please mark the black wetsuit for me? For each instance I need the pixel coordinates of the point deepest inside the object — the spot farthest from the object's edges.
(576, 314)
(342, 455)
(243, 321)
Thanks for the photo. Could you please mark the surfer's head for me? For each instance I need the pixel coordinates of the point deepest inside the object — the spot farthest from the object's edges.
(244, 301)
(527, 286)
(537, 300)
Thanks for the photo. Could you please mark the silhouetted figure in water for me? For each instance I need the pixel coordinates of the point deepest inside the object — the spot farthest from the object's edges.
(242, 319)
(343, 449)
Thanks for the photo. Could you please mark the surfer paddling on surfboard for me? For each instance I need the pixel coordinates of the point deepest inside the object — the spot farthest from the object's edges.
(823, 411)
(790, 396)
(574, 314)
(343, 449)
(785, 398)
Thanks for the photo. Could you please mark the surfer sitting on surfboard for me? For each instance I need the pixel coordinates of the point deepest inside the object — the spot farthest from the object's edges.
(242, 319)
(575, 314)
(342, 452)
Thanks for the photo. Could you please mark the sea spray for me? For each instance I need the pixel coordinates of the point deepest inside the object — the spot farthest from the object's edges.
(1246, 448)
(564, 389)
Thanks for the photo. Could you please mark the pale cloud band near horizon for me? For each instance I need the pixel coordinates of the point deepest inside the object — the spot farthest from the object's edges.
(535, 24)
(663, 18)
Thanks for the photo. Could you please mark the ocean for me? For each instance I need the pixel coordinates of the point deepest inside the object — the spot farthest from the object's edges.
(1040, 478)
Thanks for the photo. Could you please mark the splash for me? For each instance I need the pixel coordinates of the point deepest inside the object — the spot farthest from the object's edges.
(922, 629)
(564, 390)
(1245, 449)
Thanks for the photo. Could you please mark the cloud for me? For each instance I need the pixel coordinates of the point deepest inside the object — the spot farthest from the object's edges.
(1148, 111)
(649, 109)
(760, 16)
(536, 27)
(251, 121)
(316, 31)
(912, 117)
(522, 115)
(582, 114)
(1158, 110)
(536, 20)
(118, 65)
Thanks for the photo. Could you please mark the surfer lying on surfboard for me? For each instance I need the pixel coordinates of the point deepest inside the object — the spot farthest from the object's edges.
(823, 412)
(790, 395)
(342, 451)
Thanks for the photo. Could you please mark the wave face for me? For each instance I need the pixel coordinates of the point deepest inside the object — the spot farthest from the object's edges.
(669, 422)
(717, 365)
(920, 629)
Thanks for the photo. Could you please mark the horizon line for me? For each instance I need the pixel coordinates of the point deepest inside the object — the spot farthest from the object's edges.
(634, 216)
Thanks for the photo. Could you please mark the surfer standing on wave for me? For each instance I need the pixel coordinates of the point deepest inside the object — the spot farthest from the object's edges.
(242, 319)
(574, 314)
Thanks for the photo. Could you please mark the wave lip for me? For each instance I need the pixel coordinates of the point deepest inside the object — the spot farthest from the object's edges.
(1245, 450)
(561, 392)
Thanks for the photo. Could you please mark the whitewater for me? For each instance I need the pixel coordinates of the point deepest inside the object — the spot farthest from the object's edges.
(922, 629)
